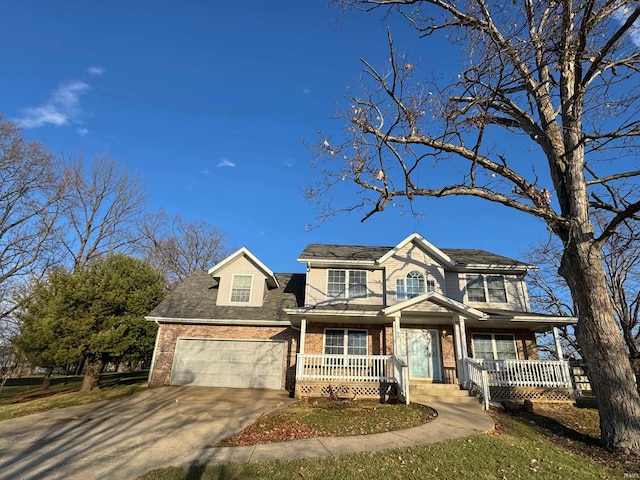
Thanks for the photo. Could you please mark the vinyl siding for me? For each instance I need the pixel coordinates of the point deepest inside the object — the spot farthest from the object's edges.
(316, 290)
(453, 287)
(409, 258)
(241, 266)
(517, 297)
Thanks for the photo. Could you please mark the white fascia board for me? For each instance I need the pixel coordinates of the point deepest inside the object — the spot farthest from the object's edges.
(244, 251)
(437, 299)
(327, 261)
(219, 321)
(543, 319)
(429, 247)
(477, 268)
(341, 313)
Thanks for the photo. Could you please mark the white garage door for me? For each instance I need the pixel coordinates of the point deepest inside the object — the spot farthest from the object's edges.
(228, 363)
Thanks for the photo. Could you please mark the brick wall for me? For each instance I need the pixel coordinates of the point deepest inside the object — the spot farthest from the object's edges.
(376, 337)
(525, 341)
(169, 334)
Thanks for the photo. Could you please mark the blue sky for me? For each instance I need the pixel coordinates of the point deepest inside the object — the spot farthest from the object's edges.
(211, 102)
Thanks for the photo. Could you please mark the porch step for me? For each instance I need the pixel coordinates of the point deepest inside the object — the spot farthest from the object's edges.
(444, 393)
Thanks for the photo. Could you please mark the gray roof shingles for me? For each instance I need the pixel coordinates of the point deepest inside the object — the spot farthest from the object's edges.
(461, 256)
(195, 298)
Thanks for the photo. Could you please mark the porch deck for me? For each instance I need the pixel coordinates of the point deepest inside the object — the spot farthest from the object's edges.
(362, 375)
(535, 380)
(378, 375)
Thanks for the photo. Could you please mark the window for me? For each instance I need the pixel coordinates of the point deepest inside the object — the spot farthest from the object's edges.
(413, 285)
(345, 342)
(494, 346)
(475, 288)
(481, 287)
(347, 284)
(241, 288)
(495, 289)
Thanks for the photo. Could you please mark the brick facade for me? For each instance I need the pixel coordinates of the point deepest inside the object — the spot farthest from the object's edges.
(380, 342)
(376, 341)
(525, 341)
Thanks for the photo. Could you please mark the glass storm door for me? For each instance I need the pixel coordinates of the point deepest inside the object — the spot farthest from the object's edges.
(420, 350)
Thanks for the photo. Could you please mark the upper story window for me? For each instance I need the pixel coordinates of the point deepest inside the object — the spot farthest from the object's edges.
(241, 288)
(413, 284)
(483, 287)
(494, 346)
(347, 284)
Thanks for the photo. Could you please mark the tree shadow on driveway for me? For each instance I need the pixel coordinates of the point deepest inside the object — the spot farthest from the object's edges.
(125, 438)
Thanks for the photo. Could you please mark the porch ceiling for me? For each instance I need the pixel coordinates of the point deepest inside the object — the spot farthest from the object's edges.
(522, 321)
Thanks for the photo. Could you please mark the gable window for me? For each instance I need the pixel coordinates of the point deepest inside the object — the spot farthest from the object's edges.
(413, 285)
(241, 288)
(345, 342)
(483, 287)
(347, 284)
(494, 346)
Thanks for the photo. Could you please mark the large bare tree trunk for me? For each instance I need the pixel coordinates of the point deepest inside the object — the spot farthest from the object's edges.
(91, 374)
(597, 332)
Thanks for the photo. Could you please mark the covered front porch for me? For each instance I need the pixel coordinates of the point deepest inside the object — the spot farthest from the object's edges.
(439, 342)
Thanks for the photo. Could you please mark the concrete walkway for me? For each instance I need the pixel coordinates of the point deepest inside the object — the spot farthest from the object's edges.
(453, 421)
(158, 428)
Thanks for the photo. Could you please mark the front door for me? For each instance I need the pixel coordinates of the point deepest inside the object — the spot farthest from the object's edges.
(421, 351)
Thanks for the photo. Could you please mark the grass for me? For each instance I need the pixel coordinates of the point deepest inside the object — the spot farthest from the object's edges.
(320, 417)
(29, 397)
(518, 449)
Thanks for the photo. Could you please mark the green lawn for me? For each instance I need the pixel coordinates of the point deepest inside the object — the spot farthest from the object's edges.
(320, 417)
(522, 447)
(29, 397)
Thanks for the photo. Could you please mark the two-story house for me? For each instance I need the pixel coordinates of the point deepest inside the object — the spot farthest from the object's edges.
(362, 320)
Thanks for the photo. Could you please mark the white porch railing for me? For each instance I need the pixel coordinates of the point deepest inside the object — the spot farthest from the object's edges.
(479, 377)
(351, 368)
(517, 373)
(401, 376)
(527, 373)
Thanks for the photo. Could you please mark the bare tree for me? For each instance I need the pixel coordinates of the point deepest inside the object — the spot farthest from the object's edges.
(8, 363)
(621, 256)
(178, 248)
(548, 292)
(102, 210)
(562, 76)
(30, 192)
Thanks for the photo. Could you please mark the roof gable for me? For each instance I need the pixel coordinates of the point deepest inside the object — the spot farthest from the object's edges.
(438, 299)
(417, 239)
(270, 276)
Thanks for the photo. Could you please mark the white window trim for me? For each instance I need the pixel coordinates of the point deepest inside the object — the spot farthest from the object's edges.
(493, 343)
(485, 285)
(346, 283)
(425, 275)
(250, 289)
(345, 345)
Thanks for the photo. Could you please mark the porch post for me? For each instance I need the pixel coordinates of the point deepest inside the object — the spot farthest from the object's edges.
(303, 334)
(397, 348)
(300, 356)
(460, 338)
(556, 339)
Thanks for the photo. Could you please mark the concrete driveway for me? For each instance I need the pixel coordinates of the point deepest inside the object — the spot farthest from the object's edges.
(123, 439)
